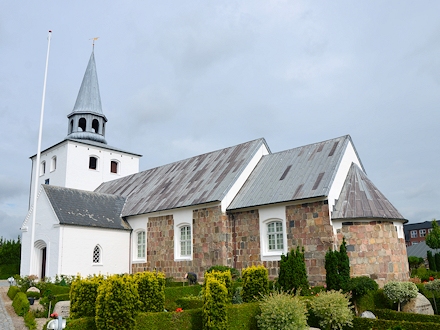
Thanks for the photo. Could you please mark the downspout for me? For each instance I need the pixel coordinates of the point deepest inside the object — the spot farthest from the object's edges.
(234, 240)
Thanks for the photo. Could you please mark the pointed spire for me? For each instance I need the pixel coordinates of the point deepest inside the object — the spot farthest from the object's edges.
(87, 121)
(89, 99)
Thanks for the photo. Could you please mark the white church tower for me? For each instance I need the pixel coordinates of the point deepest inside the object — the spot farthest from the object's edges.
(83, 160)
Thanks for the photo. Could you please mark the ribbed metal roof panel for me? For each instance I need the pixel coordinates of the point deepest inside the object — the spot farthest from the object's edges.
(197, 180)
(299, 173)
(360, 198)
(86, 208)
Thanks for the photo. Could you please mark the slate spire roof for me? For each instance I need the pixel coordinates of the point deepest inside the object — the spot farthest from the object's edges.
(360, 198)
(89, 98)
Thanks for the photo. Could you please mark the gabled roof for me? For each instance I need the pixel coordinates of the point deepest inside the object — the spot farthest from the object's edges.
(86, 208)
(360, 198)
(202, 179)
(89, 98)
(295, 174)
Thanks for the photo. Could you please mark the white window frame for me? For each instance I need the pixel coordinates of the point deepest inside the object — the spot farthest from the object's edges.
(178, 234)
(182, 218)
(97, 163)
(135, 239)
(99, 263)
(267, 216)
(414, 234)
(42, 168)
(422, 232)
(118, 166)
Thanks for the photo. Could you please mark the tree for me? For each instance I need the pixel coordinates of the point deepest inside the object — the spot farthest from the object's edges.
(433, 238)
(415, 262)
(337, 267)
(343, 265)
(293, 275)
(400, 292)
(431, 261)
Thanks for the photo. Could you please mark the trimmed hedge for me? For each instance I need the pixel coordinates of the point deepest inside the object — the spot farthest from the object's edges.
(83, 294)
(20, 303)
(388, 314)
(255, 283)
(215, 300)
(150, 286)
(12, 291)
(81, 324)
(190, 302)
(364, 323)
(174, 293)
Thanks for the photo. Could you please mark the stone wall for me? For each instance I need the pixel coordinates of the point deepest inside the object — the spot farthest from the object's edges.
(308, 225)
(375, 250)
(211, 244)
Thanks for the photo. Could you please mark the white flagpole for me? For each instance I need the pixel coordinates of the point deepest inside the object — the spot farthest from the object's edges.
(37, 164)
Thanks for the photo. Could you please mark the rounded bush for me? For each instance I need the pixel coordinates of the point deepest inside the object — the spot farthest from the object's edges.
(333, 309)
(280, 310)
(359, 286)
(255, 283)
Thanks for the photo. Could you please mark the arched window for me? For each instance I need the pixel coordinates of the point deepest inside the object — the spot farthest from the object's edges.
(141, 245)
(95, 125)
(43, 168)
(93, 163)
(97, 255)
(103, 129)
(53, 164)
(185, 241)
(71, 126)
(275, 237)
(82, 124)
(114, 166)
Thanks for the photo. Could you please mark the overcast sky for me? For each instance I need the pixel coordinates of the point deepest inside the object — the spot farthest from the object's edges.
(181, 78)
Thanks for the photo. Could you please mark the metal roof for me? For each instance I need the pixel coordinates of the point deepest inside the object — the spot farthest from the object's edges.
(295, 174)
(360, 198)
(89, 98)
(419, 250)
(86, 208)
(197, 180)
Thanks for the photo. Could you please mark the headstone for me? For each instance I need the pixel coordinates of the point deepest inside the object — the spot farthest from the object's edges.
(33, 289)
(62, 308)
(418, 305)
(368, 315)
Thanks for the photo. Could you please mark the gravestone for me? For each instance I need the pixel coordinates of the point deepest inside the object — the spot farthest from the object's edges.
(33, 289)
(368, 315)
(418, 305)
(62, 308)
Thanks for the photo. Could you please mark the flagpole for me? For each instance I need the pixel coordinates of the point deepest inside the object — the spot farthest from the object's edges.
(37, 165)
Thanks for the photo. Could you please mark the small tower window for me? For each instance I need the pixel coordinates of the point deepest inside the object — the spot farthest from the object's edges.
(82, 124)
(113, 166)
(103, 128)
(43, 168)
(95, 125)
(71, 127)
(93, 161)
(53, 164)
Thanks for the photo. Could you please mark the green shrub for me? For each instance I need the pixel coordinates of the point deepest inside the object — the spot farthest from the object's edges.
(174, 293)
(33, 294)
(29, 320)
(83, 293)
(333, 309)
(359, 286)
(255, 283)
(399, 292)
(225, 278)
(431, 261)
(293, 275)
(190, 302)
(234, 273)
(331, 270)
(81, 324)
(415, 262)
(215, 299)
(388, 314)
(280, 310)
(20, 304)
(236, 298)
(151, 289)
(117, 303)
(12, 291)
(186, 320)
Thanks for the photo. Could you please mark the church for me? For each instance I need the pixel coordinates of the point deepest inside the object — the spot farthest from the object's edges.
(243, 205)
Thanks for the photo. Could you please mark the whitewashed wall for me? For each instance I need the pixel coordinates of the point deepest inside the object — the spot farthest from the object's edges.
(76, 250)
(47, 231)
